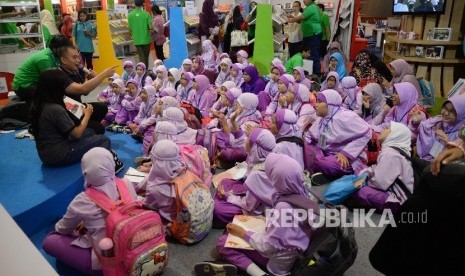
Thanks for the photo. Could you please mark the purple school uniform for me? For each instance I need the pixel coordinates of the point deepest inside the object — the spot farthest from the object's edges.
(131, 106)
(303, 79)
(353, 94)
(278, 247)
(306, 114)
(139, 79)
(375, 116)
(114, 102)
(256, 84)
(204, 97)
(98, 168)
(400, 113)
(270, 91)
(239, 79)
(186, 135)
(380, 192)
(223, 76)
(209, 55)
(241, 200)
(145, 109)
(427, 130)
(338, 87)
(167, 164)
(274, 105)
(211, 75)
(340, 131)
(286, 121)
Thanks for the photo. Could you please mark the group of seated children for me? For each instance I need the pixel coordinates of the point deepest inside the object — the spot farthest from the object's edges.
(214, 113)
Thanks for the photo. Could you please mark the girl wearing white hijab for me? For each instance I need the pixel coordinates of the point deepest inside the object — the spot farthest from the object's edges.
(225, 69)
(390, 181)
(209, 55)
(98, 169)
(48, 25)
(174, 76)
(162, 77)
(186, 66)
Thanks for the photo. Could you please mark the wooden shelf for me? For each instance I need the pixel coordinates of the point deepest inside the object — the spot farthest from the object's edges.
(395, 55)
(424, 42)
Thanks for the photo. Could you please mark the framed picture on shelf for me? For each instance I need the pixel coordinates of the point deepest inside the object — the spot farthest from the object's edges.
(442, 34)
(288, 6)
(435, 52)
(459, 88)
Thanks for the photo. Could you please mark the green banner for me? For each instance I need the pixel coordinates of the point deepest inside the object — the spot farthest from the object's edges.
(263, 52)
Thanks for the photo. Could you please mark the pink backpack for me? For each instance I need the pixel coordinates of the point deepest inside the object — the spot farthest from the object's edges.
(197, 161)
(138, 235)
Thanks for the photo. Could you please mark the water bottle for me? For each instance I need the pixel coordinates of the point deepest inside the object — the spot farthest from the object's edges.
(106, 247)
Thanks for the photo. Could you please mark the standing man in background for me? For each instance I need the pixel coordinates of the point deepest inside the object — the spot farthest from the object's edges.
(140, 24)
(326, 30)
(310, 23)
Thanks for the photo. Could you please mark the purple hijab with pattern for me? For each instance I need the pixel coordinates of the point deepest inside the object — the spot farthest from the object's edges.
(256, 84)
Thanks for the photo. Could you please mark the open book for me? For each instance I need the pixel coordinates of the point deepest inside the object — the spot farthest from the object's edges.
(134, 175)
(74, 107)
(249, 223)
(237, 172)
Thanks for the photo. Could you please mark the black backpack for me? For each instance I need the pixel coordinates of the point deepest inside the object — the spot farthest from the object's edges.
(331, 251)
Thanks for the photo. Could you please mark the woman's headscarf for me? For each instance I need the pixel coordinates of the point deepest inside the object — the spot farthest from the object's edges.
(408, 97)
(229, 85)
(138, 78)
(209, 54)
(175, 116)
(175, 73)
(185, 61)
(286, 121)
(271, 87)
(239, 79)
(337, 86)
(303, 79)
(252, 71)
(168, 91)
(168, 102)
(98, 169)
(47, 20)
(184, 91)
(201, 66)
(262, 143)
(276, 62)
(286, 177)
(400, 137)
(402, 69)
(222, 76)
(165, 130)
(244, 56)
(115, 98)
(151, 100)
(351, 89)
(232, 95)
(164, 71)
(211, 19)
(203, 85)
(341, 66)
(375, 91)
(167, 164)
(249, 103)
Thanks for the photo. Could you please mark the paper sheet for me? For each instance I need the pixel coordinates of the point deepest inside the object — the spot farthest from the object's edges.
(134, 175)
(236, 172)
(249, 223)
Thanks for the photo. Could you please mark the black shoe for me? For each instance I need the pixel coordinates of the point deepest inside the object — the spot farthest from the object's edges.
(118, 164)
(138, 137)
(215, 268)
(319, 179)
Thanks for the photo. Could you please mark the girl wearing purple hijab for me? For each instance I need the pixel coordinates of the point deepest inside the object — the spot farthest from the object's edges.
(221, 90)
(130, 104)
(235, 197)
(299, 76)
(271, 88)
(299, 98)
(228, 102)
(280, 245)
(167, 164)
(231, 140)
(437, 131)
(353, 94)
(406, 109)
(203, 95)
(253, 83)
(335, 142)
(236, 74)
(332, 82)
(151, 122)
(186, 135)
(374, 108)
(185, 85)
(149, 98)
(278, 101)
(114, 101)
(288, 135)
(242, 58)
(65, 244)
(199, 69)
(169, 91)
(141, 75)
(383, 189)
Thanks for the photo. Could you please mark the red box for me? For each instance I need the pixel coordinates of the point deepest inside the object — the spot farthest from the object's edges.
(358, 45)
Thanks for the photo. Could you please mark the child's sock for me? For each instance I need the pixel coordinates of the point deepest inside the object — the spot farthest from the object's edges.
(254, 270)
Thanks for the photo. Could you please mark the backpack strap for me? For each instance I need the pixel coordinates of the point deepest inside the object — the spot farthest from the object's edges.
(104, 202)
(300, 201)
(399, 182)
(292, 139)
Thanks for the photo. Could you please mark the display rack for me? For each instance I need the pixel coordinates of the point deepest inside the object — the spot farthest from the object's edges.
(91, 7)
(121, 37)
(193, 42)
(279, 19)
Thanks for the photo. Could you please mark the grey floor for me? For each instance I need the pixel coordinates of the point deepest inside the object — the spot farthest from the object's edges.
(183, 258)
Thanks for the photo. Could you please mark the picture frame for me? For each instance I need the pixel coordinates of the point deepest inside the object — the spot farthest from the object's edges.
(458, 88)
(288, 6)
(434, 52)
(442, 34)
